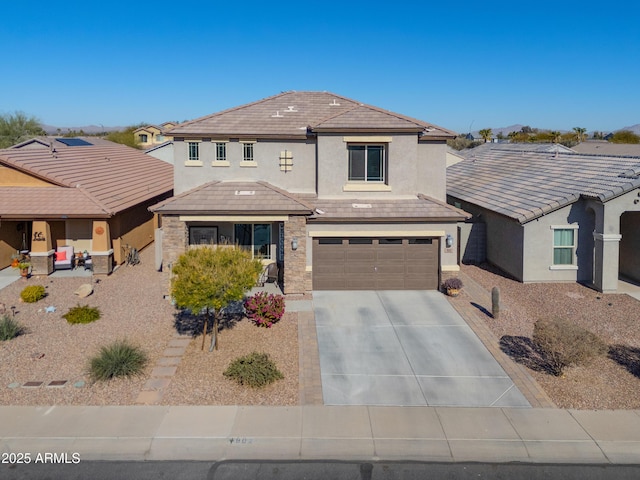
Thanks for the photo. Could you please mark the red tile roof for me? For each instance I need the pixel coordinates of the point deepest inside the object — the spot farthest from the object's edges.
(109, 177)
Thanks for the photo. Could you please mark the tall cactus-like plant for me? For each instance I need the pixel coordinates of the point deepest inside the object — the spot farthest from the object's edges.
(495, 302)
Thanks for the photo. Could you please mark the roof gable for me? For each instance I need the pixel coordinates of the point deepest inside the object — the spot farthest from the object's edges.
(295, 114)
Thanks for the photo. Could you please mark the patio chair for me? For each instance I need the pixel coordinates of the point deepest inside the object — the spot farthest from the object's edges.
(272, 273)
(63, 258)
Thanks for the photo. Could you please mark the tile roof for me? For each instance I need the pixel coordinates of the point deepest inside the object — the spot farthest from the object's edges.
(48, 202)
(224, 198)
(291, 114)
(607, 148)
(49, 141)
(526, 185)
(421, 208)
(115, 177)
(516, 147)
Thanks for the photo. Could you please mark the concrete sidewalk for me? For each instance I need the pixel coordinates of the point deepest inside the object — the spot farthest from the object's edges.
(319, 432)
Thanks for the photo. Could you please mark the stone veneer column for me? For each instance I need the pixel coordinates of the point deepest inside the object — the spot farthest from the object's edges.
(296, 279)
(41, 248)
(174, 243)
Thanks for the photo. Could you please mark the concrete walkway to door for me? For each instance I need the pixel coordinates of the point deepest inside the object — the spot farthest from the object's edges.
(404, 348)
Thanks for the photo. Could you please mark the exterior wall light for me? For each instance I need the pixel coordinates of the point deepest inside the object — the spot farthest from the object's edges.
(294, 243)
(448, 241)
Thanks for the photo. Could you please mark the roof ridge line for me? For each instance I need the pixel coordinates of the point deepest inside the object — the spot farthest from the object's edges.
(232, 109)
(286, 194)
(97, 202)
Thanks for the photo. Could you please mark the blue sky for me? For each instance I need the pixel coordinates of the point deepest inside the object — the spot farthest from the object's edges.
(464, 66)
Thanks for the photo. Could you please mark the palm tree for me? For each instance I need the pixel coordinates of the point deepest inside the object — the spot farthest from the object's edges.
(556, 136)
(486, 134)
(580, 133)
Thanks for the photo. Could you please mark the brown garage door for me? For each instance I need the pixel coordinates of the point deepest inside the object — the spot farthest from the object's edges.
(375, 263)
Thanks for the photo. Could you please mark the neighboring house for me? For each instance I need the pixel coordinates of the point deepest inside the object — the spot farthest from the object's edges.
(515, 147)
(151, 135)
(60, 142)
(601, 147)
(93, 198)
(453, 156)
(163, 152)
(339, 194)
(553, 217)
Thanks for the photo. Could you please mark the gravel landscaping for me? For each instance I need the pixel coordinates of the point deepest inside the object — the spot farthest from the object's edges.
(132, 307)
(610, 382)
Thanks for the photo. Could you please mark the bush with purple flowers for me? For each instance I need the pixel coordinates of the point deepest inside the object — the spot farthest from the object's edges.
(264, 309)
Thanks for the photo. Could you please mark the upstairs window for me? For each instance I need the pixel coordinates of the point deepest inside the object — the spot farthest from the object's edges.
(247, 152)
(367, 163)
(194, 151)
(221, 151)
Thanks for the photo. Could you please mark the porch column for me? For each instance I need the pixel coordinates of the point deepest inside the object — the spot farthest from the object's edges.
(606, 255)
(41, 248)
(102, 252)
(296, 279)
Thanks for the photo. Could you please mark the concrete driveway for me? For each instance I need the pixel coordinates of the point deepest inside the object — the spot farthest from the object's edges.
(404, 348)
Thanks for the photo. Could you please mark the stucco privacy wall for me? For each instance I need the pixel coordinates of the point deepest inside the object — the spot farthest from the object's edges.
(448, 256)
(412, 167)
(301, 178)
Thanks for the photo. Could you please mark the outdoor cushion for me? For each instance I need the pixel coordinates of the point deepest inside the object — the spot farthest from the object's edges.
(61, 255)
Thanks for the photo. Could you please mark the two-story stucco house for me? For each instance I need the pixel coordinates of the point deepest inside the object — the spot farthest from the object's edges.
(341, 195)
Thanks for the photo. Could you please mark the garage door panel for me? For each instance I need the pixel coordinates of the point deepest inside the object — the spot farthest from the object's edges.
(375, 264)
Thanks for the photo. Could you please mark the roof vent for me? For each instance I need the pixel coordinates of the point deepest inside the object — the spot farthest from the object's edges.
(334, 103)
(291, 109)
(277, 115)
(361, 205)
(245, 192)
(319, 212)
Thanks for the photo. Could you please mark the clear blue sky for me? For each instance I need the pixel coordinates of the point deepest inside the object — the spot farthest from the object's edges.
(550, 64)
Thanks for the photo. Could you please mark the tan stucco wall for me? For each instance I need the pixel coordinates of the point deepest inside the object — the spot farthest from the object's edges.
(10, 241)
(14, 178)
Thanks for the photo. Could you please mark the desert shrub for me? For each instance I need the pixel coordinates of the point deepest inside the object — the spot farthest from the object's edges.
(32, 293)
(119, 359)
(452, 283)
(82, 314)
(9, 328)
(254, 370)
(563, 344)
(264, 309)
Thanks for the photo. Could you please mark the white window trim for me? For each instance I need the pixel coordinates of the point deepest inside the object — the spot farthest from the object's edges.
(573, 265)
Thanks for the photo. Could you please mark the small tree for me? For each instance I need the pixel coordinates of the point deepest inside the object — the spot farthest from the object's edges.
(17, 127)
(210, 279)
(486, 134)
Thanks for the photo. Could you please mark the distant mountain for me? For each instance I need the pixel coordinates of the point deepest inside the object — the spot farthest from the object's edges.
(89, 129)
(634, 128)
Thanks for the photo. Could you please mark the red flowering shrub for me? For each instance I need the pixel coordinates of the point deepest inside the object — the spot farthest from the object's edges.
(264, 309)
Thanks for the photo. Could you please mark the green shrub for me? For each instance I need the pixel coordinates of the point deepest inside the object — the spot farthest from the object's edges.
(254, 370)
(563, 344)
(82, 314)
(33, 293)
(120, 359)
(9, 328)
